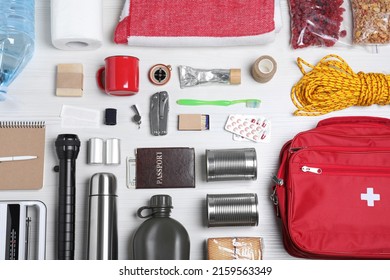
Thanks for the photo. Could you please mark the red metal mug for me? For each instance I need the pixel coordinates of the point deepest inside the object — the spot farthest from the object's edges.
(119, 76)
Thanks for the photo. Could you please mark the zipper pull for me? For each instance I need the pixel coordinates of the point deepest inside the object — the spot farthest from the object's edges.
(314, 170)
(296, 149)
(277, 181)
(275, 201)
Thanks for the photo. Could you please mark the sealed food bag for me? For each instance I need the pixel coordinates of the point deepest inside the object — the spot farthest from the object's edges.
(318, 22)
(235, 248)
(371, 21)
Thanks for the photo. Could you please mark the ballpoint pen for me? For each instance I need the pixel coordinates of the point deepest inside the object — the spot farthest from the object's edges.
(14, 158)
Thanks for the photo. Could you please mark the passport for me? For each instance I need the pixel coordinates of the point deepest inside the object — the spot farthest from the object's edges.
(165, 168)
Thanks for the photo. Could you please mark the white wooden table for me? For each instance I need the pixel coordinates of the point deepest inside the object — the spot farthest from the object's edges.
(32, 96)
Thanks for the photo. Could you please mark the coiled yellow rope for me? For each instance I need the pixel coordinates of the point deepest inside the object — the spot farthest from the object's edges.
(332, 85)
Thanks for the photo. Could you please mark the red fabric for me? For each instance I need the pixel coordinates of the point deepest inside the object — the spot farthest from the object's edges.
(326, 214)
(211, 18)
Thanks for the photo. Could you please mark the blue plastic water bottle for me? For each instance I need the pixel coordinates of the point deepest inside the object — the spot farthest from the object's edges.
(16, 39)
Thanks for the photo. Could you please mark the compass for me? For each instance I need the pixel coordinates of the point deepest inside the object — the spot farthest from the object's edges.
(160, 74)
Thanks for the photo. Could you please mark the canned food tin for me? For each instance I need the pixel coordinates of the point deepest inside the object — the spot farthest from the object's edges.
(232, 210)
(231, 164)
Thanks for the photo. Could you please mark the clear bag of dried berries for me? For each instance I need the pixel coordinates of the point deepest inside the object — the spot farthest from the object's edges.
(371, 22)
(320, 23)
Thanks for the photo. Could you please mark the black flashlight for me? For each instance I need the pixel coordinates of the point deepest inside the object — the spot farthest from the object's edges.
(67, 147)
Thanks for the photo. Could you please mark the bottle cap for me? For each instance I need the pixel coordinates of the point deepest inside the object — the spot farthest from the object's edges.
(160, 200)
(103, 184)
(235, 76)
(157, 204)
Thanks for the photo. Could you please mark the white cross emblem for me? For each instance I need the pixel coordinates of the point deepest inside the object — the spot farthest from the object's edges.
(370, 196)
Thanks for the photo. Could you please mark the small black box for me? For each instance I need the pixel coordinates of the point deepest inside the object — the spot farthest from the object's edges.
(110, 116)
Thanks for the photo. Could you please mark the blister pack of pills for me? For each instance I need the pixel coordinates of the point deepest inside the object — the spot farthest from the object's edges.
(248, 127)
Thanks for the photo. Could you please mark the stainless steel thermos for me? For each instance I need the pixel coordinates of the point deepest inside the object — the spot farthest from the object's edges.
(102, 219)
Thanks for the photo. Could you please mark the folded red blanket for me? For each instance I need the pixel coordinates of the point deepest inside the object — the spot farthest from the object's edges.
(195, 18)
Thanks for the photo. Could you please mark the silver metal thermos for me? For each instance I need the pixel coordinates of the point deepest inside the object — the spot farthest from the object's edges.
(102, 219)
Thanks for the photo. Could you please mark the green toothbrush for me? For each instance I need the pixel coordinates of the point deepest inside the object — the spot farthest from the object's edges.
(251, 103)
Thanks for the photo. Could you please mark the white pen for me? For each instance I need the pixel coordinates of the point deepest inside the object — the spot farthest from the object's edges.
(3, 159)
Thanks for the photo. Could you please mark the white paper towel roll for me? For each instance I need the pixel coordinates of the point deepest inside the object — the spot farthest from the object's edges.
(77, 24)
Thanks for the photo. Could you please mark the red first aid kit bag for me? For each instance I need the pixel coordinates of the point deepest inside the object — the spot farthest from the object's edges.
(332, 190)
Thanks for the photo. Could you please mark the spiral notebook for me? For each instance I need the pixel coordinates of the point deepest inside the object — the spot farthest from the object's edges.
(19, 139)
